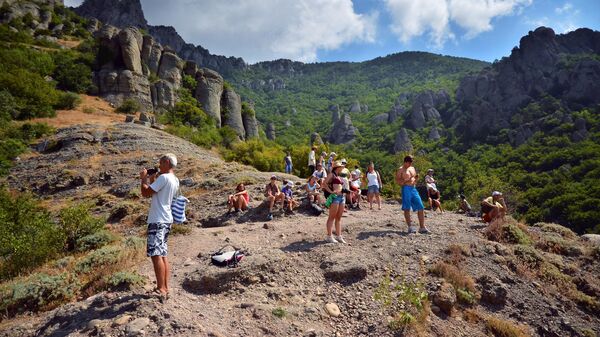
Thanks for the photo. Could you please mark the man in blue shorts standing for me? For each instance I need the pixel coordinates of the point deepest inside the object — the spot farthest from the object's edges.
(162, 186)
(407, 178)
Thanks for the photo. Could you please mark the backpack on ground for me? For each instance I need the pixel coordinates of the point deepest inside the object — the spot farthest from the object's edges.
(227, 259)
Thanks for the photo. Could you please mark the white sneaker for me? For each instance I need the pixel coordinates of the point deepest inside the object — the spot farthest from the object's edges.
(412, 229)
(340, 239)
(331, 239)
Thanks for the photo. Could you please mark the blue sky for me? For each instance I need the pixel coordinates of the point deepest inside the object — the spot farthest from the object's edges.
(358, 30)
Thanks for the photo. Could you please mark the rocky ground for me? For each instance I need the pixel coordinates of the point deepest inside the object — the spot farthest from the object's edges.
(291, 283)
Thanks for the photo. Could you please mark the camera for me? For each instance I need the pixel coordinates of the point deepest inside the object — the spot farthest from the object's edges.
(152, 171)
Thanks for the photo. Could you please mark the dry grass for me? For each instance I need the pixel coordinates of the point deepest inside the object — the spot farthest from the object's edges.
(458, 278)
(457, 253)
(504, 328)
(472, 316)
(103, 114)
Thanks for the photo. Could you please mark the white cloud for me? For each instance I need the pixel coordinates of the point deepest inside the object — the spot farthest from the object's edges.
(564, 9)
(266, 29)
(433, 17)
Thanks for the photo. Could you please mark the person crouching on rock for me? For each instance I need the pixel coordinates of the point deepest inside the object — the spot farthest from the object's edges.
(273, 195)
(288, 193)
(333, 185)
(493, 207)
(239, 200)
(162, 187)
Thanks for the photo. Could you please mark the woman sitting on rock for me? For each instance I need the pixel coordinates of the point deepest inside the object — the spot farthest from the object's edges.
(313, 191)
(239, 200)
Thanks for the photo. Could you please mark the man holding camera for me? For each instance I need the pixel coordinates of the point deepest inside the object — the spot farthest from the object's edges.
(162, 186)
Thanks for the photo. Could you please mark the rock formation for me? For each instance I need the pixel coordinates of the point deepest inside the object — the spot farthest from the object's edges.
(271, 131)
(544, 63)
(396, 111)
(357, 107)
(424, 109)
(315, 139)
(208, 93)
(335, 113)
(380, 119)
(124, 14)
(343, 132)
(402, 142)
(434, 134)
(122, 76)
(250, 122)
(231, 112)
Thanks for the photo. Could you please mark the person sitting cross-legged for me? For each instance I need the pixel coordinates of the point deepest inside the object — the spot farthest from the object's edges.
(273, 195)
(239, 200)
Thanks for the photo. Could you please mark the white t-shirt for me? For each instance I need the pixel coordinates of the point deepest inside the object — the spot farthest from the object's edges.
(311, 159)
(372, 179)
(165, 186)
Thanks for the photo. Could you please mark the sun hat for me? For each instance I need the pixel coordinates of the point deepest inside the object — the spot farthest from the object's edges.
(344, 161)
(290, 183)
(337, 164)
(333, 154)
(430, 170)
(273, 177)
(496, 193)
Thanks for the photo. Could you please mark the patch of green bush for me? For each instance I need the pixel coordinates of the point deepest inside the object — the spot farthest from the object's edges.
(99, 258)
(95, 241)
(256, 153)
(77, 222)
(124, 280)
(129, 106)
(37, 292)
(28, 236)
(68, 101)
(73, 70)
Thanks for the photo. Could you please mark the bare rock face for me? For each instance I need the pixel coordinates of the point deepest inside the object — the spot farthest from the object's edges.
(343, 132)
(114, 12)
(118, 85)
(170, 68)
(355, 107)
(402, 143)
(208, 93)
(151, 52)
(271, 131)
(231, 112)
(164, 94)
(396, 111)
(130, 40)
(250, 123)
(335, 113)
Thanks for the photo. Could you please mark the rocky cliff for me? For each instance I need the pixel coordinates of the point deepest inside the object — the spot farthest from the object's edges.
(123, 14)
(566, 67)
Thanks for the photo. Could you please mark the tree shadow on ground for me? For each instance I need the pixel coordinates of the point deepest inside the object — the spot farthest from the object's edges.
(303, 246)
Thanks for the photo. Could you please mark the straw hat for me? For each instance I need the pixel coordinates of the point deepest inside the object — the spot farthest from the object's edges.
(337, 164)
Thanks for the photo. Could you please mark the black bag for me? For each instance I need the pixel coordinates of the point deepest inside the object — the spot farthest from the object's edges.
(227, 259)
(317, 210)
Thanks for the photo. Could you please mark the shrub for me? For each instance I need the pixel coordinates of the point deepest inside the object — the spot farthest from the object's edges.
(178, 229)
(503, 328)
(95, 241)
(77, 222)
(279, 312)
(68, 101)
(528, 256)
(406, 301)
(8, 107)
(28, 237)
(554, 228)
(99, 258)
(72, 72)
(466, 297)
(35, 96)
(508, 232)
(38, 292)
(124, 280)
(129, 106)
(456, 277)
(189, 82)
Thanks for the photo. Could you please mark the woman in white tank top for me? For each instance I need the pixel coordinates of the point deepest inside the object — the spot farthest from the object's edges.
(374, 186)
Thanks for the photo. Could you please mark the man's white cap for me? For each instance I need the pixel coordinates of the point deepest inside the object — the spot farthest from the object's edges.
(290, 184)
(496, 193)
(172, 159)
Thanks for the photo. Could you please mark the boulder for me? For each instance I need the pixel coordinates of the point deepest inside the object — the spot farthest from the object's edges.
(434, 134)
(343, 132)
(130, 40)
(315, 139)
(231, 112)
(493, 291)
(380, 119)
(402, 142)
(355, 107)
(445, 298)
(423, 110)
(396, 111)
(118, 85)
(208, 92)
(335, 113)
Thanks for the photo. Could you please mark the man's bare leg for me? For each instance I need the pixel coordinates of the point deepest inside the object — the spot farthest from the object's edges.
(407, 218)
(167, 273)
(159, 271)
(421, 216)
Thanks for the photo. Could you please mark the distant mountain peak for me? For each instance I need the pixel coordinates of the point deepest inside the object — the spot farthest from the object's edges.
(119, 13)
